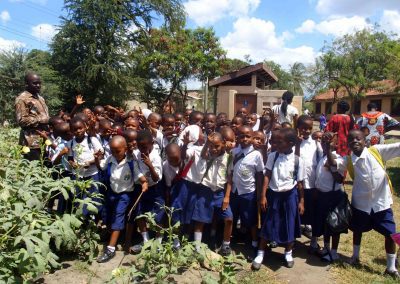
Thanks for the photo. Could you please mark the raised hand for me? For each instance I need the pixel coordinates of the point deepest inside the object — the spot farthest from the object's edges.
(79, 100)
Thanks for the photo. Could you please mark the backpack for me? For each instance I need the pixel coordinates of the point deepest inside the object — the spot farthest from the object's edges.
(375, 153)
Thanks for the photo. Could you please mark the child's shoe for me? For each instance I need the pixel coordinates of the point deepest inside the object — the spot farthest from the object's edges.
(136, 248)
(225, 250)
(106, 256)
(394, 274)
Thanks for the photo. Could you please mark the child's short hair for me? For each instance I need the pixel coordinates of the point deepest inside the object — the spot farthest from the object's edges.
(193, 114)
(167, 116)
(105, 123)
(289, 134)
(129, 133)
(144, 135)
(75, 120)
(286, 124)
(302, 119)
(55, 120)
(365, 129)
(172, 146)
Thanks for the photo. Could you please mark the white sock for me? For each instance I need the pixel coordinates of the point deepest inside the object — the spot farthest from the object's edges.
(356, 252)
(213, 233)
(308, 228)
(288, 255)
(391, 262)
(159, 239)
(110, 248)
(145, 236)
(314, 242)
(177, 243)
(254, 244)
(198, 236)
(226, 243)
(260, 256)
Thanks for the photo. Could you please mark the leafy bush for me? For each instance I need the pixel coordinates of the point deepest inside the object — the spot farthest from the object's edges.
(31, 238)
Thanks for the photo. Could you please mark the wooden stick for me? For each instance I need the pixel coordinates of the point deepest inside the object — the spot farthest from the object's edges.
(134, 205)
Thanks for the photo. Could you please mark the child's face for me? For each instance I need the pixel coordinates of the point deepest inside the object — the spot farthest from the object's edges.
(236, 122)
(283, 145)
(105, 131)
(131, 141)
(178, 120)
(306, 128)
(168, 124)
(133, 114)
(78, 129)
(221, 119)
(66, 134)
(216, 147)
(131, 123)
(274, 141)
(245, 137)
(242, 112)
(118, 150)
(210, 123)
(356, 142)
(154, 121)
(145, 146)
(251, 120)
(267, 122)
(174, 157)
(317, 136)
(258, 140)
(276, 126)
(187, 113)
(88, 113)
(197, 120)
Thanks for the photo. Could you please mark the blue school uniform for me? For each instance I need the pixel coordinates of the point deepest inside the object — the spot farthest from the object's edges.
(282, 221)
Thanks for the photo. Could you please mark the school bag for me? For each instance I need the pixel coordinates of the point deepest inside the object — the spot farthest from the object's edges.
(339, 218)
(375, 153)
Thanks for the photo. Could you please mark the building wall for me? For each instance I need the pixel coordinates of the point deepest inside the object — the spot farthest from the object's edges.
(265, 98)
(386, 105)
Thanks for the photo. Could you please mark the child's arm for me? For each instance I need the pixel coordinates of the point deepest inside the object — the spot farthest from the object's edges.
(97, 157)
(79, 101)
(228, 190)
(263, 195)
(204, 152)
(63, 152)
(144, 183)
(300, 190)
(153, 173)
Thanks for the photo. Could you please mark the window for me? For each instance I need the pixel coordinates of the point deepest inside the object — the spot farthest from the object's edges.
(395, 107)
(328, 107)
(317, 108)
(378, 104)
(357, 107)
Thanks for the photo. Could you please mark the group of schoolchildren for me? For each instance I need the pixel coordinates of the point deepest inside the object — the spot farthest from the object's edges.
(274, 180)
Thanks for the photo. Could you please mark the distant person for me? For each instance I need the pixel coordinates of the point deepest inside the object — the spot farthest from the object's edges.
(322, 122)
(285, 111)
(32, 115)
(340, 124)
(377, 123)
(306, 112)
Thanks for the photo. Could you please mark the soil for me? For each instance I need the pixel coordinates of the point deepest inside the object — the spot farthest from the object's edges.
(307, 269)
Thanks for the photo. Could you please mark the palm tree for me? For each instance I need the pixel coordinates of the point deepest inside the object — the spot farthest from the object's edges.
(298, 74)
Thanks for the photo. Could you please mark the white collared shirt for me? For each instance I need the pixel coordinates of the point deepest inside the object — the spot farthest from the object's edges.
(121, 179)
(311, 154)
(83, 152)
(324, 179)
(215, 177)
(282, 177)
(169, 173)
(290, 113)
(371, 189)
(155, 159)
(158, 141)
(244, 171)
(196, 171)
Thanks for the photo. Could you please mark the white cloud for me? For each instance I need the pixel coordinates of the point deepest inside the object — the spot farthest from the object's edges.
(390, 21)
(41, 2)
(257, 38)
(44, 32)
(354, 7)
(210, 11)
(6, 44)
(307, 26)
(5, 16)
(338, 26)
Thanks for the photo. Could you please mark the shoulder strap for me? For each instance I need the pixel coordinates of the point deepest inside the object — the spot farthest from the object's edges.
(89, 141)
(183, 171)
(350, 167)
(209, 164)
(130, 164)
(241, 157)
(296, 166)
(108, 172)
(275, 158)
(374, 152)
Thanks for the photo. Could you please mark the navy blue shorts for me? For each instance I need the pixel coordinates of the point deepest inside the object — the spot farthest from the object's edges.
(116, 208)
(93, 190)
(183, 199)
(382, 222)
(209, 203)
(152, 201)
(282, 221)
(245, 207)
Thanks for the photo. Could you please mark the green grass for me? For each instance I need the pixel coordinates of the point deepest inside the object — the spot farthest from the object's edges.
(372, 255)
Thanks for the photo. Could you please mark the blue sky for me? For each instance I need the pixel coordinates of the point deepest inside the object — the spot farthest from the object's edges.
(284, 31)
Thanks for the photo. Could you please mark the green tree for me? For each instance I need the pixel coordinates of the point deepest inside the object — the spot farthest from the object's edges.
(284, 78)
(94, 47)
(354, 63)
(230, 65)
(298, 78)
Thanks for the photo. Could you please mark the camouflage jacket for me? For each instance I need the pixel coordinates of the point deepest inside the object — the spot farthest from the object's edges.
(32, 114)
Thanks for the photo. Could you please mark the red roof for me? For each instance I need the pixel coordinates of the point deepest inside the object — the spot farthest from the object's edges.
(383, 87)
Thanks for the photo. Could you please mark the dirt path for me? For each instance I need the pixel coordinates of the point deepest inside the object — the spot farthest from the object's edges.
(307, 269)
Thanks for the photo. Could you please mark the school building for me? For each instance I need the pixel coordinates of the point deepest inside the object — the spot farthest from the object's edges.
(249, 87)
(386, 96)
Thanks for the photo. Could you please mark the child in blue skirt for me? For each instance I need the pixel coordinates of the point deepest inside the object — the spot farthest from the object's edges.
(283, 191)
(210, 198)
(120, 175)
(329, 193)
